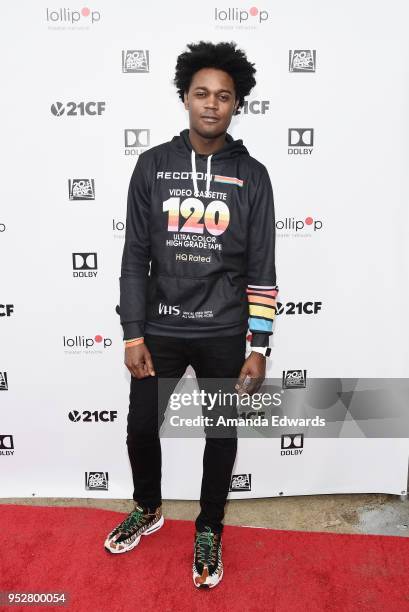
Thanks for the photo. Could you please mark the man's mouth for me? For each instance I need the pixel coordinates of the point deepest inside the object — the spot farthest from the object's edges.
(209, 119)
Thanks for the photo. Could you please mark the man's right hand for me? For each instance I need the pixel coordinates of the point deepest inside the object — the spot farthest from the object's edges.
(138, 360)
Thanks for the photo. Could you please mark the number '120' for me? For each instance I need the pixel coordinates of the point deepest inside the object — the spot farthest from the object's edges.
(216, 216)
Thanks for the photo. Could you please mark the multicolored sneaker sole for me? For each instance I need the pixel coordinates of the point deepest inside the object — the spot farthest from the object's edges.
(127, 535)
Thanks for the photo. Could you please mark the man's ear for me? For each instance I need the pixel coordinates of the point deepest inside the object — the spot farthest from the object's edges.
(185, 101)
(236, 105)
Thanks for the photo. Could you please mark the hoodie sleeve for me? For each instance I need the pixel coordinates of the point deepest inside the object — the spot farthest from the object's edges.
(261, 273)
(136, 255)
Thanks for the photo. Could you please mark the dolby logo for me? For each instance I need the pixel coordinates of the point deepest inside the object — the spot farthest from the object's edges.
(302, 60)
(84, 265)
(300, 141)
(294, 379)
(292, 444)
(135, 60)
(136, 139)
(256, 107)
(96, 481)
(81, 189)
(240, 482)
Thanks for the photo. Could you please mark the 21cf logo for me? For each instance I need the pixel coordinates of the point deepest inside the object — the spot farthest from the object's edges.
(74, 109)
(292, 308)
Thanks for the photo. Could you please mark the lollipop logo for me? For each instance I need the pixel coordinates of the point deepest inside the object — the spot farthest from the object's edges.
(240, 15)
(73, 16)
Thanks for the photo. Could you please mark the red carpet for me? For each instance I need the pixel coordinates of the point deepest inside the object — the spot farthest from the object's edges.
(61, 549)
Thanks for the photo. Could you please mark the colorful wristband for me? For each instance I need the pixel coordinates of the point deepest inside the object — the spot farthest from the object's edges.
(133, 342)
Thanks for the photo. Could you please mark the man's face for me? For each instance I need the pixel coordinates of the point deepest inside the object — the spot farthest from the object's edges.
(211, 102)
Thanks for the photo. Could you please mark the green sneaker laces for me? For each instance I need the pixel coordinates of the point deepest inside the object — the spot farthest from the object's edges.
(132, 520)
(204, 546)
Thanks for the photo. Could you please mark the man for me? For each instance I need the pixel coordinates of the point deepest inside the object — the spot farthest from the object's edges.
(201, 213)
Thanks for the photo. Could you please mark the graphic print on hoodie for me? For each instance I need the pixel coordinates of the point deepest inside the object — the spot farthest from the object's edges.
(199, 252)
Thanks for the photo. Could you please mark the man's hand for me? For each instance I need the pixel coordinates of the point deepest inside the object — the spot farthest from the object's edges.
(254, 369)
(138, 360)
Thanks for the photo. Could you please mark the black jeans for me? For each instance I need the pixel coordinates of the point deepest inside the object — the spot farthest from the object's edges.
(213, 357)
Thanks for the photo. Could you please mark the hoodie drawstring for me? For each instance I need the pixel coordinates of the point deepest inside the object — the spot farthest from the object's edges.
(209, 173)
(194, 174)
(195, 189)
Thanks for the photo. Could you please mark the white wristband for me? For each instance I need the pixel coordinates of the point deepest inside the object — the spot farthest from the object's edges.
(264, 350)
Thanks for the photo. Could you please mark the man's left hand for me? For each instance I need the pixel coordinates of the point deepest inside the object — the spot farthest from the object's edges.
(252, 374)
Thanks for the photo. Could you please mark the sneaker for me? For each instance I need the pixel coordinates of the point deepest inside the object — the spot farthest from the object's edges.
(127, 534)
(207, 561)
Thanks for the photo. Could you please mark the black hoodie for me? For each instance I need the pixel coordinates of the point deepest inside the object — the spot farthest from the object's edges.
(206, 226)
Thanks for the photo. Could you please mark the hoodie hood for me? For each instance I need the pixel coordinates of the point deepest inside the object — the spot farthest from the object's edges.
(231, 148)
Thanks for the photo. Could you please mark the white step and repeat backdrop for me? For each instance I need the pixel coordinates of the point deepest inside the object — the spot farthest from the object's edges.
(85, 89)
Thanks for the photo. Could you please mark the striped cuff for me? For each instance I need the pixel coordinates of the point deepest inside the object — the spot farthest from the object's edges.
(259, 339)
(262, 307)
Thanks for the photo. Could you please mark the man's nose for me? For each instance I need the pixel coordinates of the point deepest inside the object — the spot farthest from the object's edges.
(211, 102)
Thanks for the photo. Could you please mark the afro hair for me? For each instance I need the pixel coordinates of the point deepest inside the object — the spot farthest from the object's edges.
(223, 56)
